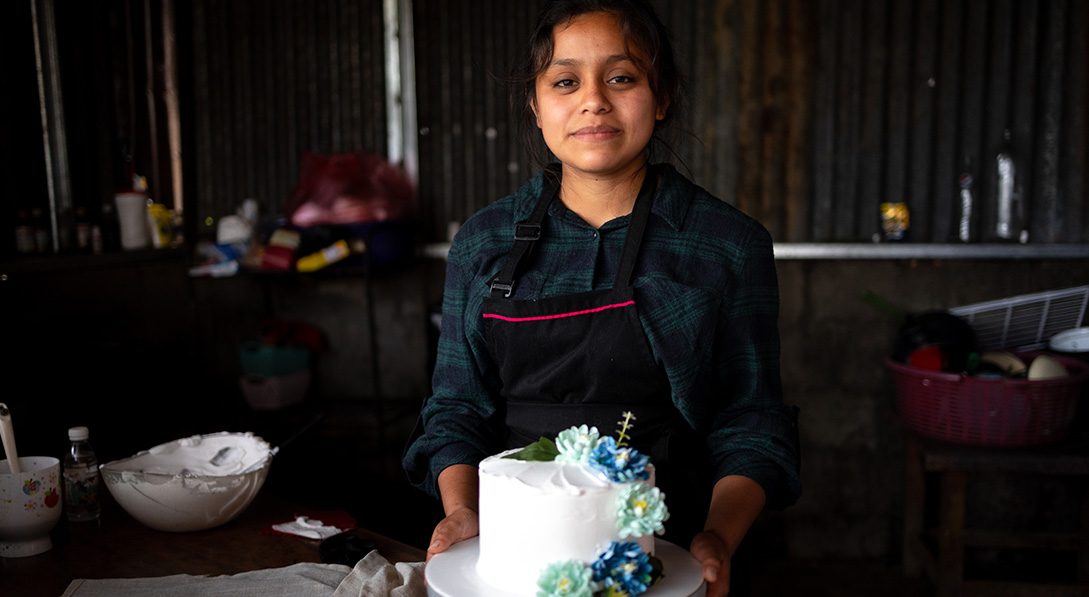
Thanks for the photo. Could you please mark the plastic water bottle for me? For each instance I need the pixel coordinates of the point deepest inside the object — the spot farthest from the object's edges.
(81, 477)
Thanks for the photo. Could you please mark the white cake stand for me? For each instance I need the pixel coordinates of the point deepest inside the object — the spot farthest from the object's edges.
(453, 573)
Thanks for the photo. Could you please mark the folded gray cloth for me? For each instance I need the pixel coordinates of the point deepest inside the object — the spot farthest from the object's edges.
(374, 576)
(297, 580)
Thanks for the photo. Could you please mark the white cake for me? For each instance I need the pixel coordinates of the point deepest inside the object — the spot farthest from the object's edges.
(533, 514)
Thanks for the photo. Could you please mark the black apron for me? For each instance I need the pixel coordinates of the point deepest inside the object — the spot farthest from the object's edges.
(584, 359)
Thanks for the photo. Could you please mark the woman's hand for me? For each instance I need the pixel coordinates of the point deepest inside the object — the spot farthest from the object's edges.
(459, 491)
(457, 526)
(714, 558)
(735, 503)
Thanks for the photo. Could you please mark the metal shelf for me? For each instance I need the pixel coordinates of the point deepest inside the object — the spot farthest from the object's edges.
(893, 251)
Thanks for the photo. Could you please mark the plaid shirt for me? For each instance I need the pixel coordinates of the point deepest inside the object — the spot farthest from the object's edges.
(707, 296)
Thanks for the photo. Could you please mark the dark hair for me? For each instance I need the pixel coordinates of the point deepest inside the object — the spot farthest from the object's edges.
(640, 26)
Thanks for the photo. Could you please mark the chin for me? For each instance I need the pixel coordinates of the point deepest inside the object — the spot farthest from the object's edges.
(601, 166)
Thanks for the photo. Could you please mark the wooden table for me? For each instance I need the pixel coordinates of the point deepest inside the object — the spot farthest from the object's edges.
(939, 549)
(117, 546)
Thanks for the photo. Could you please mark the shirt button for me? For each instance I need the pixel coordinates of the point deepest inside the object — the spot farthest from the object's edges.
(593, 234)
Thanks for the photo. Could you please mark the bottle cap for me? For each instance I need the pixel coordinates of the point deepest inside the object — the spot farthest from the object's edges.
(77, 434)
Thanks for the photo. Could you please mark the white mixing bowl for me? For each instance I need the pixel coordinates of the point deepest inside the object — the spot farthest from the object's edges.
(191, 484)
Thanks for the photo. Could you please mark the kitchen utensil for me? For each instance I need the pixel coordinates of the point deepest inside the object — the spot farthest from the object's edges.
(193, 483)
(7, 435)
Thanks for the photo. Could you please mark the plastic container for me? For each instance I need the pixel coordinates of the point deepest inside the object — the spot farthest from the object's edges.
(988, 412)
(1073, 343)
(81, 477)
(274, 393)
(267, 360)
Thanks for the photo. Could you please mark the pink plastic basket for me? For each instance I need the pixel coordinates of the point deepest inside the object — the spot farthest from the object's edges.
(988, 412)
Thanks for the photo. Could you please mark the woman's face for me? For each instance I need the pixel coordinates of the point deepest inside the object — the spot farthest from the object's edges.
(594, 105)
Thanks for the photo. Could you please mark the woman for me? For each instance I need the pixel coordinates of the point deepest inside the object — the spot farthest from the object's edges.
(608, 284)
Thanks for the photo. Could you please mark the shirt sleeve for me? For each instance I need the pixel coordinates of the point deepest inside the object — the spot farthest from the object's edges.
(752, 432)
(459, 422)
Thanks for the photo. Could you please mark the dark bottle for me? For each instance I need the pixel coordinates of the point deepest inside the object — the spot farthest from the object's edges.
(41, 230)
(25, 243)
(111, 229)
(83, 231)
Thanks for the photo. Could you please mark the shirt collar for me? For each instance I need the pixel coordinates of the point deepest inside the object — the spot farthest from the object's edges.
(671, 200)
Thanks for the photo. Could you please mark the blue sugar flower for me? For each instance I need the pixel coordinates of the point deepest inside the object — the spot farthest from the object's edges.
(615, 591)
(623, 569)
(641, 510)
(620, 465)
(576, 444)
(566, 579)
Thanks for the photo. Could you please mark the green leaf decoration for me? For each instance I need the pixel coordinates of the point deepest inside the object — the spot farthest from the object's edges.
(622, 434)
(542, 450)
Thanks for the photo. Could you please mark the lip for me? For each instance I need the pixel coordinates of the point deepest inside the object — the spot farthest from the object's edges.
(599, 132)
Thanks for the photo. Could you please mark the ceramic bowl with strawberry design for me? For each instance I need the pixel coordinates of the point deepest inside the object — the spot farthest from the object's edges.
(30, 506)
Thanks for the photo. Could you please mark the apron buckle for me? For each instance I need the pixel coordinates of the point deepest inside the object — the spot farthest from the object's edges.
(504, 288)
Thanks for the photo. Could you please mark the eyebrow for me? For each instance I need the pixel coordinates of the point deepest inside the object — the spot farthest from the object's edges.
(574, 62)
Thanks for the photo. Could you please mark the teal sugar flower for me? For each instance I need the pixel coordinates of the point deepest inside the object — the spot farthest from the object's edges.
(577, 443)
(619, 464)
(566, 579)
(641, 510)
(623, 569)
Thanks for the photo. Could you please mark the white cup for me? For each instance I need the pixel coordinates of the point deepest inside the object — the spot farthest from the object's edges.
(30, 506)
(132, 213)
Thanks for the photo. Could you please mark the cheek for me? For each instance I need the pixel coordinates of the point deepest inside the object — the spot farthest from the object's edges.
(548, 117)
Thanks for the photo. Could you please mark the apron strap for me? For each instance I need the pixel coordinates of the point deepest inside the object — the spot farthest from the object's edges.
(639, 215)
(525, 234)
(528, 232)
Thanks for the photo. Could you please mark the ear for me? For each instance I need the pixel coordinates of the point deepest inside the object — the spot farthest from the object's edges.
(537, 114)
(662, 108)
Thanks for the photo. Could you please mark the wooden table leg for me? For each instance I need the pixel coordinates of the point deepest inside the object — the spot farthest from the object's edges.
(1083, 544)
(950, 568)
(914, 507)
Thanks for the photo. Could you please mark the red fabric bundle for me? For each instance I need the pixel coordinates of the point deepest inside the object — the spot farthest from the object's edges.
(348, 188)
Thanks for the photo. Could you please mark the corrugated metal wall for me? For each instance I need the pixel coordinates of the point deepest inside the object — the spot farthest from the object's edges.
(469, 154)
(805, 114)
(274, 79)
(906, 92)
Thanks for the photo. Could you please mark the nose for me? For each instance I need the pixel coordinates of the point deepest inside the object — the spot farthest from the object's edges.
(595, 97)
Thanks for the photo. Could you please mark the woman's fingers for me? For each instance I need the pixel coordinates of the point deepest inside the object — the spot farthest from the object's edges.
(458, 526)
(714, 558)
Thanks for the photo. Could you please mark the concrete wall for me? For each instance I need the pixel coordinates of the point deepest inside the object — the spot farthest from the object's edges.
(834, 343)
(142, 356)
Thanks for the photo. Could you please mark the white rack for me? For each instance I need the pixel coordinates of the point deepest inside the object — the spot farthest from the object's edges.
(1028, 321)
